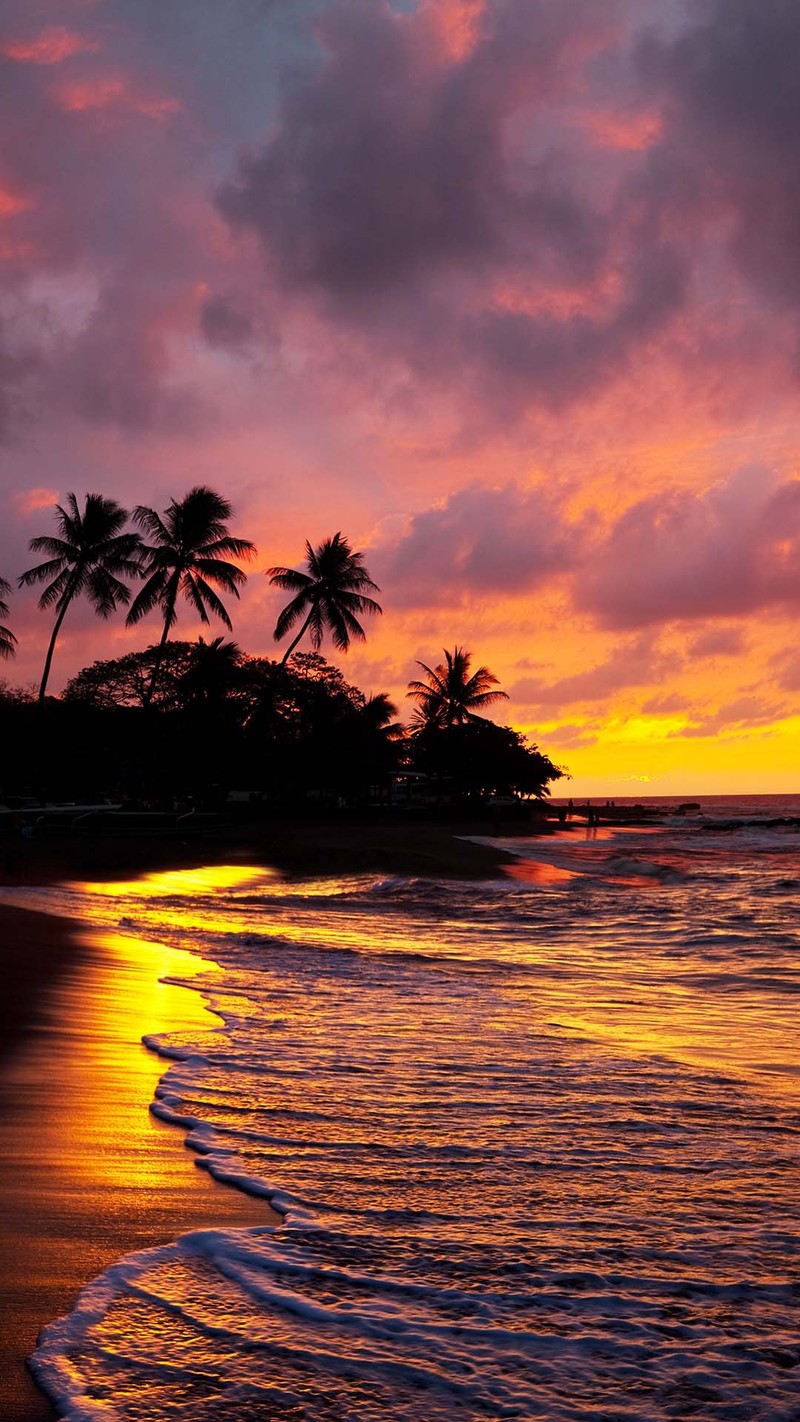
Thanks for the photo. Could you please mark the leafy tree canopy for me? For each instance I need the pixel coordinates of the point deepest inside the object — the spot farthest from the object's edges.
(124, 681)
(481, 758)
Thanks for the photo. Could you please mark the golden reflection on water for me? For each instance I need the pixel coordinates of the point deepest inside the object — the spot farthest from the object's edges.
(630, 995)
(209, 879)
(86, 1173)
(120, 1072)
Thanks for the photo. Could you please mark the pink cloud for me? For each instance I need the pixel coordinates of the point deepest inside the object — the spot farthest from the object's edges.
(28, 501)
(731, 550)
(627, 132)
(637, 662)
(478, 541)
(50, 46)
(112, 91)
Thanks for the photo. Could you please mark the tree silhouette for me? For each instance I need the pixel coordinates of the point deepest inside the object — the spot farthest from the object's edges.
(378, 717)
(329, 597)
(450, 696)
(124, 681)
(214, 673)
(187, 552)
(88, 557)
(8, 642)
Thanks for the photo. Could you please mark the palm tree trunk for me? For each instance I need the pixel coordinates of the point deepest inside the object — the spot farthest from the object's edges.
(169, 618)
(151, 685)
(67, 599)
(300, 635)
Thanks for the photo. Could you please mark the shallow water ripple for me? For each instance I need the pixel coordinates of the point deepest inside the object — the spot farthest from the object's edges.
(535, 1149)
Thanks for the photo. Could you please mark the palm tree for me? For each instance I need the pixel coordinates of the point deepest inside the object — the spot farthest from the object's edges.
(8, 642)
(378, 717)
(186, 554)
(88, 558)
(214, 674)
(449, 696)
(328, 596)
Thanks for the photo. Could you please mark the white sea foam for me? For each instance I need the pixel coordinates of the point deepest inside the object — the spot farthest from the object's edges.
(532, 1146)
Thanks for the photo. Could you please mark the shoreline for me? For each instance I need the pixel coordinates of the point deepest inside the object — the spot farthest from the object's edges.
(299, 849)
(87, 1173)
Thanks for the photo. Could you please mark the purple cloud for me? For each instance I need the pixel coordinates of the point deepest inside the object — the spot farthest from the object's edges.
(505, 540)
(637, 662)
(685, 556)
(733, 103)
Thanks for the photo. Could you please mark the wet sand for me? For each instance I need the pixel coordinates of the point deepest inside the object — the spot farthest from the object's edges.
(296, 847)
(86, 1173)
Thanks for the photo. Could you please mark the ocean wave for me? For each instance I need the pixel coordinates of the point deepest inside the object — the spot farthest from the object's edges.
(532, 1154)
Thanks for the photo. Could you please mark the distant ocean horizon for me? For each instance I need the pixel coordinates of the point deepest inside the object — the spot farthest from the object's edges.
(533, 1140)
(752, 801)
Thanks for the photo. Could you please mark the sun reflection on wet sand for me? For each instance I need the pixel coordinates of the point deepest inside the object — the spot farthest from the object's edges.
(87, 1173)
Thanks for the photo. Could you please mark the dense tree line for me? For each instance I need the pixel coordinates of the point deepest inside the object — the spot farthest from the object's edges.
(196, 720)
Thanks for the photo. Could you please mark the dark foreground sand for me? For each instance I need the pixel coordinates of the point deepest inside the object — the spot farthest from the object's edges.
(86, 1174)
(298, 848)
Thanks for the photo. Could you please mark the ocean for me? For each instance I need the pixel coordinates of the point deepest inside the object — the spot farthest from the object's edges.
(534, 1141)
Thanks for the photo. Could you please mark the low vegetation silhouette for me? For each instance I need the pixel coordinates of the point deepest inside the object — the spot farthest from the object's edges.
(203, 724)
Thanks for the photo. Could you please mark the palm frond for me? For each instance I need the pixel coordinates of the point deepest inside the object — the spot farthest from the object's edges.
(227, 575)
(41, 572)
(150, 523)
(192, 593)
(148, 597)
(289, 579)
(56, 547)
(106, 592)
(333, 591)
(230, 547)
(210, 599)
(62, 588)
(291, 614)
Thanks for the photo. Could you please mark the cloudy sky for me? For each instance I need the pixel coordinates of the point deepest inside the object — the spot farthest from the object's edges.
(506, 290)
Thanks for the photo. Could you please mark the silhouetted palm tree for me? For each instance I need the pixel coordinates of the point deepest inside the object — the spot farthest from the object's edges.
(186, 554)
(214, 674)
(8, 642)
(378, 715)
(88, 558)
(330, 596)
(450, 696)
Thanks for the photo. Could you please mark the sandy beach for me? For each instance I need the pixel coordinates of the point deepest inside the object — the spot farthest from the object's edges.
(86, 1173)
(296, 847)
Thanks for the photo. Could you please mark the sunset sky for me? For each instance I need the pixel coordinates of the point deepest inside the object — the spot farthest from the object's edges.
(506, 290)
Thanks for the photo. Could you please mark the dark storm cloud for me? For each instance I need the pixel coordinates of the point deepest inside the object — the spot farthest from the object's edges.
(432, 184)
(224, 324)
(730, 145)
(113, 118)
(405, 188)
(390, 163)
(517, 358)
